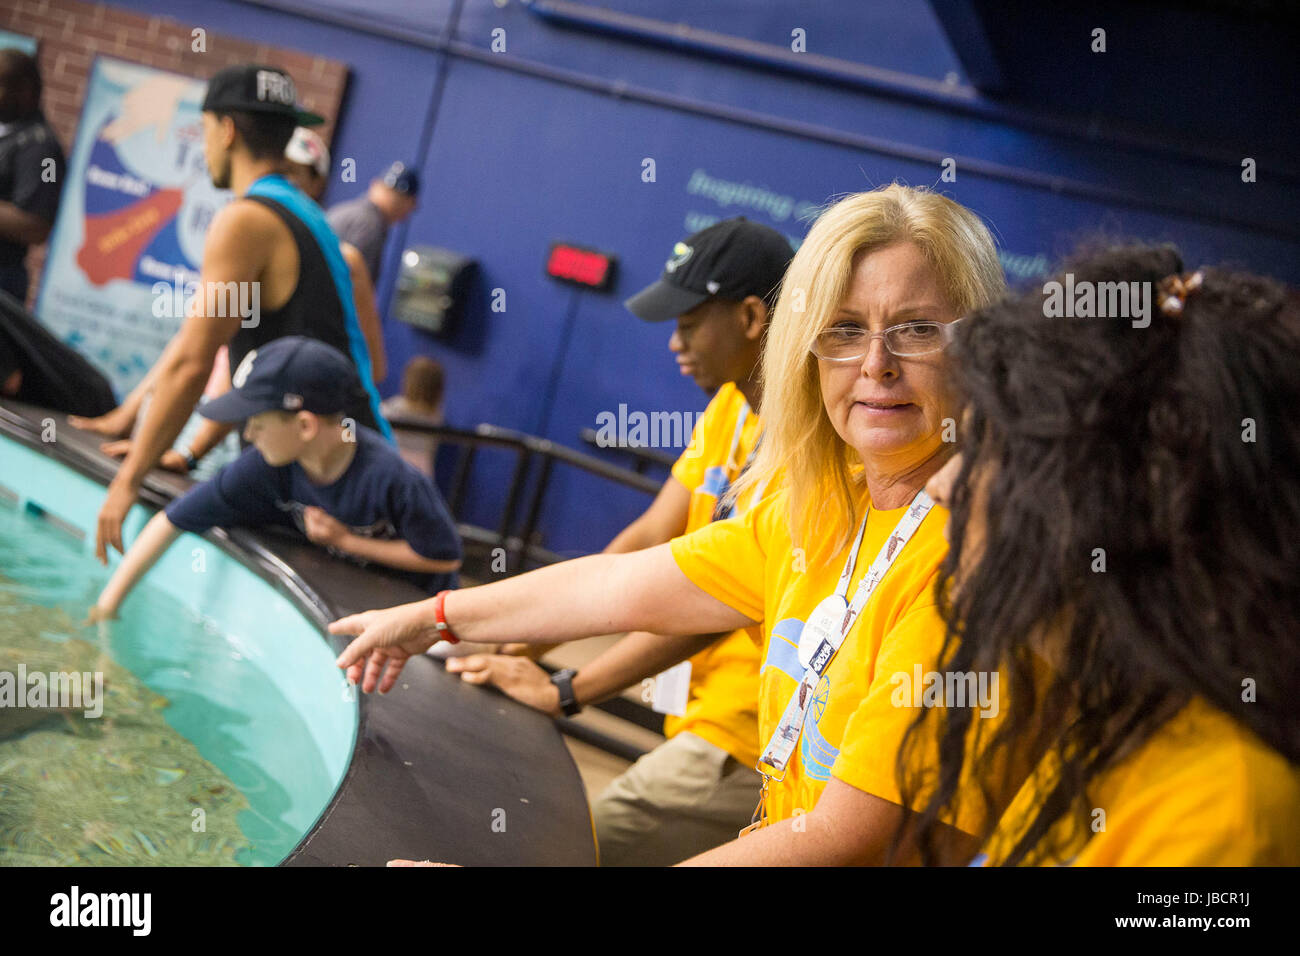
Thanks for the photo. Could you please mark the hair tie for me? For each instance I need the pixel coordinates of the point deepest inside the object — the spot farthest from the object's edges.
(1174, 291)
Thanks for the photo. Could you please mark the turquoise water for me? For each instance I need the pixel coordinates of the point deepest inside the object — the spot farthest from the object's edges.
(236, 712)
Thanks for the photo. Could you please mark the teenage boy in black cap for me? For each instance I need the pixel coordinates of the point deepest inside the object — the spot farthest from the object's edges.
(270, 248)
(364, 221)
(698, 789)
(341, 485)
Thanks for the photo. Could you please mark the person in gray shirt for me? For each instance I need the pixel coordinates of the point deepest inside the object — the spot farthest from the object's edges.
(364, 221)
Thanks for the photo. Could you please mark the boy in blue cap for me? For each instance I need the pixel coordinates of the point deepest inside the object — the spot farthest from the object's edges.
(310, 468)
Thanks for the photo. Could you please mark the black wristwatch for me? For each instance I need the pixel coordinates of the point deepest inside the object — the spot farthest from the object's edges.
(563, 679)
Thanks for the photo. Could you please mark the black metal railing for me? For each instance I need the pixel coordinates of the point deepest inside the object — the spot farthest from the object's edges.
(515, 530)
(642, 458)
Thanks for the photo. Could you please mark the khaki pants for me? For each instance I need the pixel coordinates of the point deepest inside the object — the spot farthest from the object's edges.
(682, 798)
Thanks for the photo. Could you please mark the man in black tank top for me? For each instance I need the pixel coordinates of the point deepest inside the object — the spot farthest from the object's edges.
(265, 247)
(313, 310)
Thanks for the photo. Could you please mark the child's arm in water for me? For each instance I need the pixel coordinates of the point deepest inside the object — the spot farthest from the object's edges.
(324, 529)
(139, 558)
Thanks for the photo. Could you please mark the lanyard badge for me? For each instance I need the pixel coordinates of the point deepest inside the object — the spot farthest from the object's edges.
(825, 631)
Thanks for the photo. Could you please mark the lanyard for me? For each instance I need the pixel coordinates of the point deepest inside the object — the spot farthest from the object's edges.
(829, 624)
(719, 511)
(735, 435)
(822, 635)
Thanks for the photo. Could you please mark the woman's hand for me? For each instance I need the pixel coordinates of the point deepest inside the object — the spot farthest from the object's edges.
(385, 640)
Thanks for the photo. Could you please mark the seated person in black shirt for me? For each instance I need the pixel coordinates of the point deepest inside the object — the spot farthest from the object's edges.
(31, 169)
(339, 483)
(37, 368)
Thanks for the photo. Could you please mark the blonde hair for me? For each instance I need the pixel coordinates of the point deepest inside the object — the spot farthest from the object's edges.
(799, 442)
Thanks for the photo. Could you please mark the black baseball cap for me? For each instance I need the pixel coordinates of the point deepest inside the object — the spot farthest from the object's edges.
(731, 259)
(402, 178)
(250, 88)
(291, 374)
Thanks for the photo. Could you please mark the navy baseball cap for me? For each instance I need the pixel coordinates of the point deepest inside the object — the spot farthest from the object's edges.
(251, 88)
(291, 374)
(731, 259)
(402, 178)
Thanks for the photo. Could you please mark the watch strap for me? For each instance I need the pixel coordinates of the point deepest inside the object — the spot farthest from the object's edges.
(563, 680)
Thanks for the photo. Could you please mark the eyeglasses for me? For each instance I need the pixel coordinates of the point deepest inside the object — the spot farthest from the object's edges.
(850, 343)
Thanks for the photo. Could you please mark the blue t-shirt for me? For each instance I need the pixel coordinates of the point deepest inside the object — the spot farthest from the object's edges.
(379, 496)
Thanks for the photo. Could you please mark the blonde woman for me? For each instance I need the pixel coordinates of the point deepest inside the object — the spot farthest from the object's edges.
(837, 563)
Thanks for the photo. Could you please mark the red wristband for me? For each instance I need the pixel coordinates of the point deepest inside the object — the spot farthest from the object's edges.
(441, 625)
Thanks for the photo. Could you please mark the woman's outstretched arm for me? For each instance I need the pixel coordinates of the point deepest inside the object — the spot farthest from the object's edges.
(599, 594)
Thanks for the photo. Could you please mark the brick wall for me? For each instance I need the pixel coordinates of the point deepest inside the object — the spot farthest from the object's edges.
(71, 34)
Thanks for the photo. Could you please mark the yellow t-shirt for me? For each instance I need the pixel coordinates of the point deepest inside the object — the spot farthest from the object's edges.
(722, 702)
(1202, 791)
(853, 726)
(716, 453)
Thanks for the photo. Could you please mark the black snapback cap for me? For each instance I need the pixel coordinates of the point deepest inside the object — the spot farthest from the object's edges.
(730, 259)
(251, 88)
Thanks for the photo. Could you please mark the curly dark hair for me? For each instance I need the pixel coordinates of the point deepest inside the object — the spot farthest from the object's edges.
(1174, 447)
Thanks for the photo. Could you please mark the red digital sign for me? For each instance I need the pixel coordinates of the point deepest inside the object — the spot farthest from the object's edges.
(584, 267)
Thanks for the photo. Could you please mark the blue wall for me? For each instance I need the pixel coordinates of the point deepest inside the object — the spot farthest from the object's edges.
(532, 145)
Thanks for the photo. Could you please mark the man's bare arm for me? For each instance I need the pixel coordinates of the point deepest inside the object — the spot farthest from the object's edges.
(210, 434)
(638, 656)
(363, 300)
(847, 827)
(664, 520)
(237, 249)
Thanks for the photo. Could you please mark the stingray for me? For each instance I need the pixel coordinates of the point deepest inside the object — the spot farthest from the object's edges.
(124, 789)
